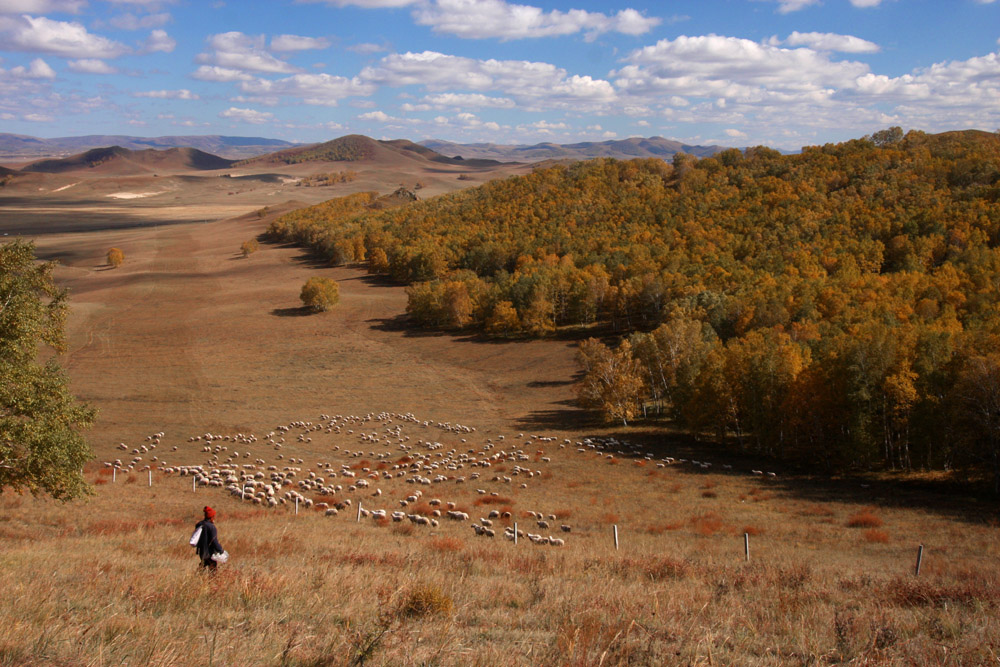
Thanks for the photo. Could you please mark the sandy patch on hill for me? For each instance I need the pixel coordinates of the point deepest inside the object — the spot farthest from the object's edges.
(133, 195)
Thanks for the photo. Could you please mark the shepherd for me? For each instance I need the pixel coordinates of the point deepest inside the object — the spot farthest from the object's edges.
(205, 540)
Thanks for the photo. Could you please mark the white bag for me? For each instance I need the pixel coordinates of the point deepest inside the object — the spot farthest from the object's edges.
(221, 558)
(195, 537)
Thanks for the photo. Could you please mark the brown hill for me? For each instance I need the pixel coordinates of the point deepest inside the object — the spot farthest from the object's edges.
(359, 148)
(115, 160)
(622, 149)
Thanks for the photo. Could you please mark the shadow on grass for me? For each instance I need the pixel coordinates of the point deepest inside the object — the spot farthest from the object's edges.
(301, 311)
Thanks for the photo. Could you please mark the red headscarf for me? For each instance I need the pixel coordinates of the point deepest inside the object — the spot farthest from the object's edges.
(209, 512)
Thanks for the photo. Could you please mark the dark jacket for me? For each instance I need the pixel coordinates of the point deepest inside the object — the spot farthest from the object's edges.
(208, 542)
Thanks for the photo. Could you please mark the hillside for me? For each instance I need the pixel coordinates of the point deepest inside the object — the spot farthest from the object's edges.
(858, 273)
(122, 161)
(620, 149)
(359, 148)
(22, 146)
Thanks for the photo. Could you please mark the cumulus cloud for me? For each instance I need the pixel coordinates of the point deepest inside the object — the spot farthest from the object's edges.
(130, 21)
(37, 69)
(159, 40)
(298, 43)
(866, 3)
(789, 6)
(367, 4)
(38, 118)
(319, 89)
(736, 134)
(828, 41)
(481, 19)
(60, 38)
(41, 6)
(219, 74)
(182, 94)
(234, 50)
(532, 85)
(470, 100)
(368, 48)
(91, 66)
(722, 67)
(379, 116)
(247, 115)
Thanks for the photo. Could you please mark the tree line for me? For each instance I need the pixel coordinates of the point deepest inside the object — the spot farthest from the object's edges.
(831, 305)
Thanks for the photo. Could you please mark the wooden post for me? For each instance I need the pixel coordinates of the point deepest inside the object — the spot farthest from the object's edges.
(194, 484)
(515, 533)
(114, 475)
(151, 478)
(296, 504)
(616, 537)
(920, 558)
(359, 512)
(746, 545)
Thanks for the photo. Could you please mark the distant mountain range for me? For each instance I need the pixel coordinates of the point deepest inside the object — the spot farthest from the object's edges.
(119, 161)
(622, 149)
(19, 146)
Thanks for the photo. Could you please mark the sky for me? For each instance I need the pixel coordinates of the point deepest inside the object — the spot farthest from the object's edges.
(781, 73)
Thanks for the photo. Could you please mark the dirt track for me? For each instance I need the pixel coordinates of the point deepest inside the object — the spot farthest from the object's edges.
(187, 336)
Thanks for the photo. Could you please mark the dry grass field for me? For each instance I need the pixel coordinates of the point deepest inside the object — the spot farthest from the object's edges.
(189, 338)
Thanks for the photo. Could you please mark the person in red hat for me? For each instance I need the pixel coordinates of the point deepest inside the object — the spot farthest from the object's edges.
(206, 540)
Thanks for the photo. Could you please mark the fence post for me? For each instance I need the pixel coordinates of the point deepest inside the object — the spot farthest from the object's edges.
(296, 505)
(151, 478)
(746, 545)
(114, 474)
(515, 533)
(616, 537)
(194, 484)
(359, 512)
(920, 558)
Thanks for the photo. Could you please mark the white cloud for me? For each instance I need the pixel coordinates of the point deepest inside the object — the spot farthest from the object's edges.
(38, 118)
(319, 89)
(368, 48)
(609, 135)
(219, 74)
(470, 100)
(130, 21)
(533, 85)
(182, 94)
(642, 123)
(38, 69)
(367, 4)
(91, 66)
(828, 41)
(736, 134)
(41, 6)
(298, 43)
(480, 19)
(379, 116)
(789, 6)
(867, 3)
(247, 115)
(159, 40)
(722, 67)
(61, 38)
(546, 125)
(235, 50)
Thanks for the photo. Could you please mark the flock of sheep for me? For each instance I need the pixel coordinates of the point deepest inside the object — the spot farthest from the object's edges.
(386, 457)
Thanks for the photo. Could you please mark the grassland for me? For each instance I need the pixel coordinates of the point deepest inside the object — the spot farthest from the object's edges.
(187, 337)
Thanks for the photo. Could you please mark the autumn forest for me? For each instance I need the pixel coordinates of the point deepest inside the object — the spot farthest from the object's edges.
(837, 308)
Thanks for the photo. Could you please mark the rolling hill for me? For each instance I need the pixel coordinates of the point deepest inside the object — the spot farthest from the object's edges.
(621, 149)
(122, 161)
(23, 146)
(359, 148)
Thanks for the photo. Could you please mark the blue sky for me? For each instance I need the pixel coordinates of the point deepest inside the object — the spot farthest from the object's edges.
(784, 73)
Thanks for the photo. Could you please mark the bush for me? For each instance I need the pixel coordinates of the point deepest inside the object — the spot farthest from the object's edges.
(320, 294)
(249, 247)
(115, 257)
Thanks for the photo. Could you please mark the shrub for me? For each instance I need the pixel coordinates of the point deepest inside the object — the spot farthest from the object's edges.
(249, 247)
(115, 257)
(875, 535)
(426, 601)
(320, 294)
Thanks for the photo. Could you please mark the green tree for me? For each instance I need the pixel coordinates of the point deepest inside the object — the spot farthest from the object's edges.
(320, 294)
(41, 448)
